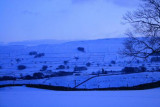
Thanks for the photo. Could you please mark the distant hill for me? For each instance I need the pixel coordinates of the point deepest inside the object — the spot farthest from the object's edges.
(37, 42)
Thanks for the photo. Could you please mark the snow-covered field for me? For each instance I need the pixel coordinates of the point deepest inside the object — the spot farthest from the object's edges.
(103, 53)
(127, 80)
(32, 97)
(93, 57)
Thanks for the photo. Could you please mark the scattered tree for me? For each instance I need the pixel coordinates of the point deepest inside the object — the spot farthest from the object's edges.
(82, 68)
(21, 67)
(88, 64)
(33, 53)
(65, 62)
(44, 68)
(81, 49)
(39, 55)
(28, 77)
(61, 67)
(113, 62)
(38, 75)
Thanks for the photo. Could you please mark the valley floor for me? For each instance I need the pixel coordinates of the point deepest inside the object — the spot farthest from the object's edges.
(22, 96)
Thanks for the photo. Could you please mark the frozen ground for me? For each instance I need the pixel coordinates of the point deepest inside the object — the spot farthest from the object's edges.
(127, 80)
(32, 97)
(103, 53)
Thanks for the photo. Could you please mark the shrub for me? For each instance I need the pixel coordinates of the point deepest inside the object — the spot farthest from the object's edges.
(103, 71)
(109, 65)
(47, 76)
(113, 62)
(28, 77)
(64, 73)
(18, 60)
(142, 69)
(44, 68)
(88, 64)
(33, 53)
(155, 59)
(38, 75)
(65, 62)
(158, 69)
(82, 68)
(61, 67)
(76, 58)
(39, 55)
(21, 67)
(7, 78)
(128, 70)
(137, 61)
(81, 49)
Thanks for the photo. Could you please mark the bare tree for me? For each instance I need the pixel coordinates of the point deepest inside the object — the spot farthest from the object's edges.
(144, 37)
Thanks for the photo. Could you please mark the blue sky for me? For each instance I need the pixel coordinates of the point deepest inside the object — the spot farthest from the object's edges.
(62, 19)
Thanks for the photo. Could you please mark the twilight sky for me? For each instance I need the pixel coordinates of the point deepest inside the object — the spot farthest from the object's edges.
(62, 19)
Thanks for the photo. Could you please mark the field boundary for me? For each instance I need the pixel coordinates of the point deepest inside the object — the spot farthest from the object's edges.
(61, 88)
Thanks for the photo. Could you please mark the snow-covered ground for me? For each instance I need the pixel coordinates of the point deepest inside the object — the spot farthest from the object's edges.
(126, 80)
(103, 53)
(32, 97)
(94, 56)
(99, 53)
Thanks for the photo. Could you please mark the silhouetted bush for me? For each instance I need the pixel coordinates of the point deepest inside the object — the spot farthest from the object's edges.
(142, 69)
(88, 64)
(128, 70)
(81, 49)
(33, 53)
(82, 68)
(76, 58)
(39, 55)
(7, 78)
(44, 68)
(61, 67)
(103, 71)
(21, 67)
(47, 76)
(65, 62)
(38, 75)
(28, 77)
(113, 62)
(63, 73)
(155, 59)
(18, 60)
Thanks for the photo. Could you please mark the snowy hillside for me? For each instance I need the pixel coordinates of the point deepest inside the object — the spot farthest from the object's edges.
(92, 55)
(99, 53)
(97, 63)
